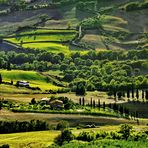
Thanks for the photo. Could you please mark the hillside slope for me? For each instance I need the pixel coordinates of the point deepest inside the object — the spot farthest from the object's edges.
(116, 27)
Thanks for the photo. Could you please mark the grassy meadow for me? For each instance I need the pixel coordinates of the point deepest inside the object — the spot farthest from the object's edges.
(29, 139)
(35, 79)
(45, 138)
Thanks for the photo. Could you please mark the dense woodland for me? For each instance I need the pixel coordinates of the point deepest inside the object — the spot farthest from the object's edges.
(104, 70)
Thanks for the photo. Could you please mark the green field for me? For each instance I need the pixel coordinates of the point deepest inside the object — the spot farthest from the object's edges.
(42, 35)
(49, 40)
(50, 47)
(34, 78)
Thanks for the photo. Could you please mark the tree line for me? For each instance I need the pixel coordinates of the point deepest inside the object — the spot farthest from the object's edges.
(124, 111)
(22, 126)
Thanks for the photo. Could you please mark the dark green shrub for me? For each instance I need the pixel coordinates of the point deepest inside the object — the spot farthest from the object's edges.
(138, 136)
(125, 130)
(65, 136)
(116, 135)
(5, 146)
(62, 125)
(86, 136)
(102, 135)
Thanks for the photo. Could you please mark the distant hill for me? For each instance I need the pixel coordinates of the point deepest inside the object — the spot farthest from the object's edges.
(119, 24)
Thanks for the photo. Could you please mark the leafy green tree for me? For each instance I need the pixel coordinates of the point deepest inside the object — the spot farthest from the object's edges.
(8, 66)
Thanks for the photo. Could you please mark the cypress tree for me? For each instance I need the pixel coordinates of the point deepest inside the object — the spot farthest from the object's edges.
(146, 94)
(91, 102)
(1, 80)
(128, 94)
(115, 94)
(83, 101)
(104, 106)
(121, 109)
(0, 105)
(123, 94)
(132, 93)
(119, 94)
(99, 104)
(94, 104)
(110, 105)
(137, 94)
(142, 94)
(80, 101)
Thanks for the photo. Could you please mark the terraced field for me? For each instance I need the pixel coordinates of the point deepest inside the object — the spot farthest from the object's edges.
(42, 39)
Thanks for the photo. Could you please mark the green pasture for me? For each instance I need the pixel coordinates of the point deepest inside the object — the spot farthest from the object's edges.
(50, 47)
(42, 37)
(34, 78)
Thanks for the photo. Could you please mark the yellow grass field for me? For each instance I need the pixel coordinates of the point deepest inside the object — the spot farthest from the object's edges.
(42, 139)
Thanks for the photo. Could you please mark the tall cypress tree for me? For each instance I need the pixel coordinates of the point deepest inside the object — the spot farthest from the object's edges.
(137, 94)
(83, 101)
(146, 94)
(91, 102)
(1, 80)
(132, 93)
(142, 94)
(80, 101)
(104, 106)
(0, 105)
(94, 104)
(110, 105)
(128, 94)
(99, 104)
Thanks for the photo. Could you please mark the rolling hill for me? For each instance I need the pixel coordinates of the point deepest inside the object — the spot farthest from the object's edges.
(117, 28)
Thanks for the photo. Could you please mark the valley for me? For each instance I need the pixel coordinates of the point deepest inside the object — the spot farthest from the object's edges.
(78, 64)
